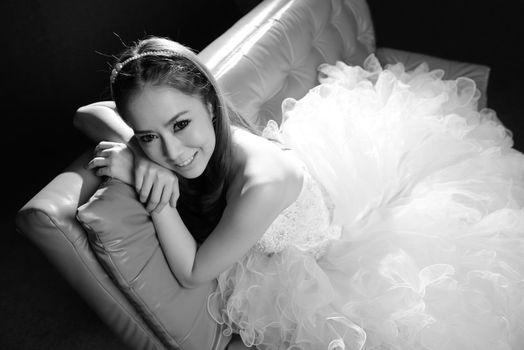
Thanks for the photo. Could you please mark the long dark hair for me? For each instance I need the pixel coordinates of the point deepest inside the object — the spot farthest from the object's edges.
(160, 61)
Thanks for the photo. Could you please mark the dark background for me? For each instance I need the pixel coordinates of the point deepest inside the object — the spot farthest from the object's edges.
(55, 57)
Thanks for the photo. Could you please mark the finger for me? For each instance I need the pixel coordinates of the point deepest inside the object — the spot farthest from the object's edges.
(105, 144)
(139, 178)
(103, 171)
(100, 146)
(175, 194)
(154, 196)
(164, 199)
(105, 152)
(97, 162)
(145, 189)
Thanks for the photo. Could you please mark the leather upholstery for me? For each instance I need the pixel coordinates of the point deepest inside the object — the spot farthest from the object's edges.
(274, 52)
(271, 53)
(124, 240)
(48, 220)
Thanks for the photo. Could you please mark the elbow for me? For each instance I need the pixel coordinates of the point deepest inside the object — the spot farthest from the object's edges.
(85, 114)
(79, 119)
(187, 283)
(191, 282)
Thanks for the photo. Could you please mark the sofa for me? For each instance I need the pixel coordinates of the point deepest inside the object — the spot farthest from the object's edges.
(115, 263)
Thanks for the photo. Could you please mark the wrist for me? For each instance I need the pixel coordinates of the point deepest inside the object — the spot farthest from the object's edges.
(169, 211)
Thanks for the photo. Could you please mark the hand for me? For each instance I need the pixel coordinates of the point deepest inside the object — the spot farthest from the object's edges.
(155, 184)
(114, 160)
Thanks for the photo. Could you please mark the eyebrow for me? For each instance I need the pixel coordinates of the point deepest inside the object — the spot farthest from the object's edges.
(170, 121)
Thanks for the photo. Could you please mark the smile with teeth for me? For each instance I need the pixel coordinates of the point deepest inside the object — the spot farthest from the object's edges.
(186, 162)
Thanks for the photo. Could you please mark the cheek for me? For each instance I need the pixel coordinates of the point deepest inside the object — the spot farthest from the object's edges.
(203, 136)
(211, 139)
(152, 152)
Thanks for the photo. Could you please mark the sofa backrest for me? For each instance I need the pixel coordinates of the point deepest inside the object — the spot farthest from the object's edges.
(274, 51)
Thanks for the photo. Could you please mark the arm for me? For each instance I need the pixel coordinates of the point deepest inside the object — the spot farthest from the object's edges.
(244, 221)
(119, 155)
(100, 122)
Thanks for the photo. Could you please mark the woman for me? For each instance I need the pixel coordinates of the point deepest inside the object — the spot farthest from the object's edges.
(387, 214)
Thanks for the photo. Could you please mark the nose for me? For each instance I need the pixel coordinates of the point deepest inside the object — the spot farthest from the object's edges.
(172, 148)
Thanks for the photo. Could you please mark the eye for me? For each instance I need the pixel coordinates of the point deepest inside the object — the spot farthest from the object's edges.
(147, 138)
(179, 125)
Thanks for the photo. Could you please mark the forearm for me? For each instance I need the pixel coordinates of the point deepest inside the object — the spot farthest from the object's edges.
(177, 243)
(243, 222)
(100, 122)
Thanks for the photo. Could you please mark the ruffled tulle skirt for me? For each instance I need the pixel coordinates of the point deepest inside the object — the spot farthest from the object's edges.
(430, 195)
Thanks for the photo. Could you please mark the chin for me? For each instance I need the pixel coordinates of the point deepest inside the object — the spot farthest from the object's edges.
(190, 173)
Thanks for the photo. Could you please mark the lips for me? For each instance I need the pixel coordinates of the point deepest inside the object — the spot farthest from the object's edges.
(184, 163)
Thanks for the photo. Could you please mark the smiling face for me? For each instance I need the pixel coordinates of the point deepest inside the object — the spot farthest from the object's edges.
(174, 129)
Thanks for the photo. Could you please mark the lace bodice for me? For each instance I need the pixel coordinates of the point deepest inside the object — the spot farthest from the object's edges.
(305, 224)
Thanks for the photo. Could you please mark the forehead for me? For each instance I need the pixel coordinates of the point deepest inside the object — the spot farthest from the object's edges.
(153, 106)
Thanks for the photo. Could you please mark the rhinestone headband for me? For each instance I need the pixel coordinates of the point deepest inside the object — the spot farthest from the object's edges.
(118, 67)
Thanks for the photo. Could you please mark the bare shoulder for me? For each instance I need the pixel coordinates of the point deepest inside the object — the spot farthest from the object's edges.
(263, 167)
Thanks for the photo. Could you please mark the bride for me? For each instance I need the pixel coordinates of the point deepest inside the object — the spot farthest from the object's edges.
(385, 212)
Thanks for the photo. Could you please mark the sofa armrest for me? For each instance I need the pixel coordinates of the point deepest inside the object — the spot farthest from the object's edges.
(452, 69)
(49, 221)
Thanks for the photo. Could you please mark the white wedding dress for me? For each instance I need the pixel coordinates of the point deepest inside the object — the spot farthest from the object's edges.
(409, 229)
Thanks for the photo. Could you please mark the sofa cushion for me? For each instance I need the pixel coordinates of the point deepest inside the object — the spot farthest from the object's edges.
(274, 52)
(452, 69)
(123, 238)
